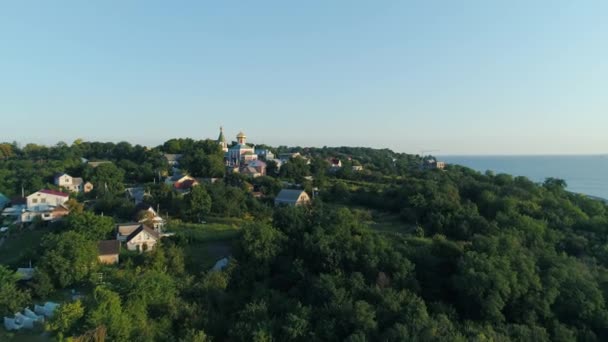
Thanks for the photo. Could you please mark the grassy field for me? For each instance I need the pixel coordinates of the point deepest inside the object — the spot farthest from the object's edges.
(20, 244)
(204, 244)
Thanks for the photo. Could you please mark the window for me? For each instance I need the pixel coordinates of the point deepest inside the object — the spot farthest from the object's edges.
(35, 200)
(43, 200)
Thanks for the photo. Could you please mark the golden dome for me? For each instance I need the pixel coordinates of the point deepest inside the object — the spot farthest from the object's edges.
(241, 135)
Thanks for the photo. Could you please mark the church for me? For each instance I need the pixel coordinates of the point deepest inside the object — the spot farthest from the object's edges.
(239, 154)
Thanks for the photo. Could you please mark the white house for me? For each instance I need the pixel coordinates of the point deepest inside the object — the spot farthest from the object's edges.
(44, 199)
(142, 239)
(73, 184)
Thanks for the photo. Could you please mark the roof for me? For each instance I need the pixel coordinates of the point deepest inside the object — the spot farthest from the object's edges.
(257, 163)
(221, 138)
(108, 247)
(187, 184)
(241, 135)
(288, 196)
(172, 157)
(77, 181)
(59, 174)
(3, 199)
(53, 192)
(143, 228)
(127, 228)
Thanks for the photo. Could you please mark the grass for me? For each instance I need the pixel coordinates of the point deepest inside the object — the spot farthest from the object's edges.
(204, 244)
(20, 244)
(35, 335)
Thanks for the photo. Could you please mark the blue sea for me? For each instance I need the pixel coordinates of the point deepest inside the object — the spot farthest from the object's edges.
(586, 174)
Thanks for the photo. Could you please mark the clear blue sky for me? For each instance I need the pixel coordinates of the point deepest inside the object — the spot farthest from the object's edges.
(463, 77)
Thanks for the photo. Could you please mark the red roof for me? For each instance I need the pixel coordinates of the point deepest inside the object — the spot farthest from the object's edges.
(187, 184)
(54, 192)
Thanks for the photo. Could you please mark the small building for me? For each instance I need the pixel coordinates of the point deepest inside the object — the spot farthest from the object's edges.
(145, 213)
(95, 164)
(108, 251)
(433, 164)
(73, 184)
(173, 159)
(182, 183)
(136, 194)
(357, 168)
(264, 154)
(142, 239)
(292, 198)
(240, 153)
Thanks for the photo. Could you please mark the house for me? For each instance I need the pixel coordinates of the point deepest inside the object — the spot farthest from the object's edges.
(259, 165)
(123, 230)
(292, 198)
(433, 164)
(47, 214)
(147, 215)
(73, 184)
(249, 171)
(182, 183)
(95, 164)
(357, 168)
(44, 199)
(108, 251)
(335, 164)
(284, 157)
(173, 159)
(136, 194)
(142, 239)
(264, 154)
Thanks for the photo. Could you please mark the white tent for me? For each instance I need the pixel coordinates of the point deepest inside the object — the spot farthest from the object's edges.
(10, 324)
(30, 314)
(24, 321)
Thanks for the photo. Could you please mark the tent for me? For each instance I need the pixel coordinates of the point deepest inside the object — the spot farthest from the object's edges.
(10, 324)
(24, 321)
(220, 264)
(47, 310)
(30, 314)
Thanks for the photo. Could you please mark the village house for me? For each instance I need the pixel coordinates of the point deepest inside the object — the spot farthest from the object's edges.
(147, 215)
(433, 164)
(46, 204)
(182, 183)
(136, 194)
(292, 198)
(108, 251)
(142, 239)
(173, 159)
(264, 154)
(73, 184)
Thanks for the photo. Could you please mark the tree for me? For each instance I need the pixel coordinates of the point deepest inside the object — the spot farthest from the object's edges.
(106, 310)
(12, 299)
(107, 177)
(197, 204)
(68, 258)
(65, 318)
(91, 226)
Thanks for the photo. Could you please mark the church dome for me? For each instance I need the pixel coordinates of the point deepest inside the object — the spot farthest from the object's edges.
(241, 135)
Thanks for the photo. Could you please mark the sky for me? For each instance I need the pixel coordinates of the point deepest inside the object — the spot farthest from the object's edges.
(454, 77)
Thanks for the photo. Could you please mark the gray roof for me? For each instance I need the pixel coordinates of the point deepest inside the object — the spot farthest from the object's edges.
(288, 196)
(172, 157)
(125, 229)
(108, 247)
(143, 228)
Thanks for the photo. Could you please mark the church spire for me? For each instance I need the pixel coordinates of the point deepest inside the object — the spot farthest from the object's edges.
(221, 140)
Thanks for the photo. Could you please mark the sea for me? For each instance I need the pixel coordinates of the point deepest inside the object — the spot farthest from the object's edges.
(585, 174)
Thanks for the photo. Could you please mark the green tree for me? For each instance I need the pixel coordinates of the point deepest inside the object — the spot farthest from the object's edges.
(197, 204)
(12, 299)
(65, 318)
(91, 226)
(68, 258)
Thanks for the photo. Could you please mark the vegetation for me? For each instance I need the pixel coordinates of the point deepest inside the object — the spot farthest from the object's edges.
(390, 253)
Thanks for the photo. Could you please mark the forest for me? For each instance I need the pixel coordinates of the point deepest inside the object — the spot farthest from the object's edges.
(394, 252)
